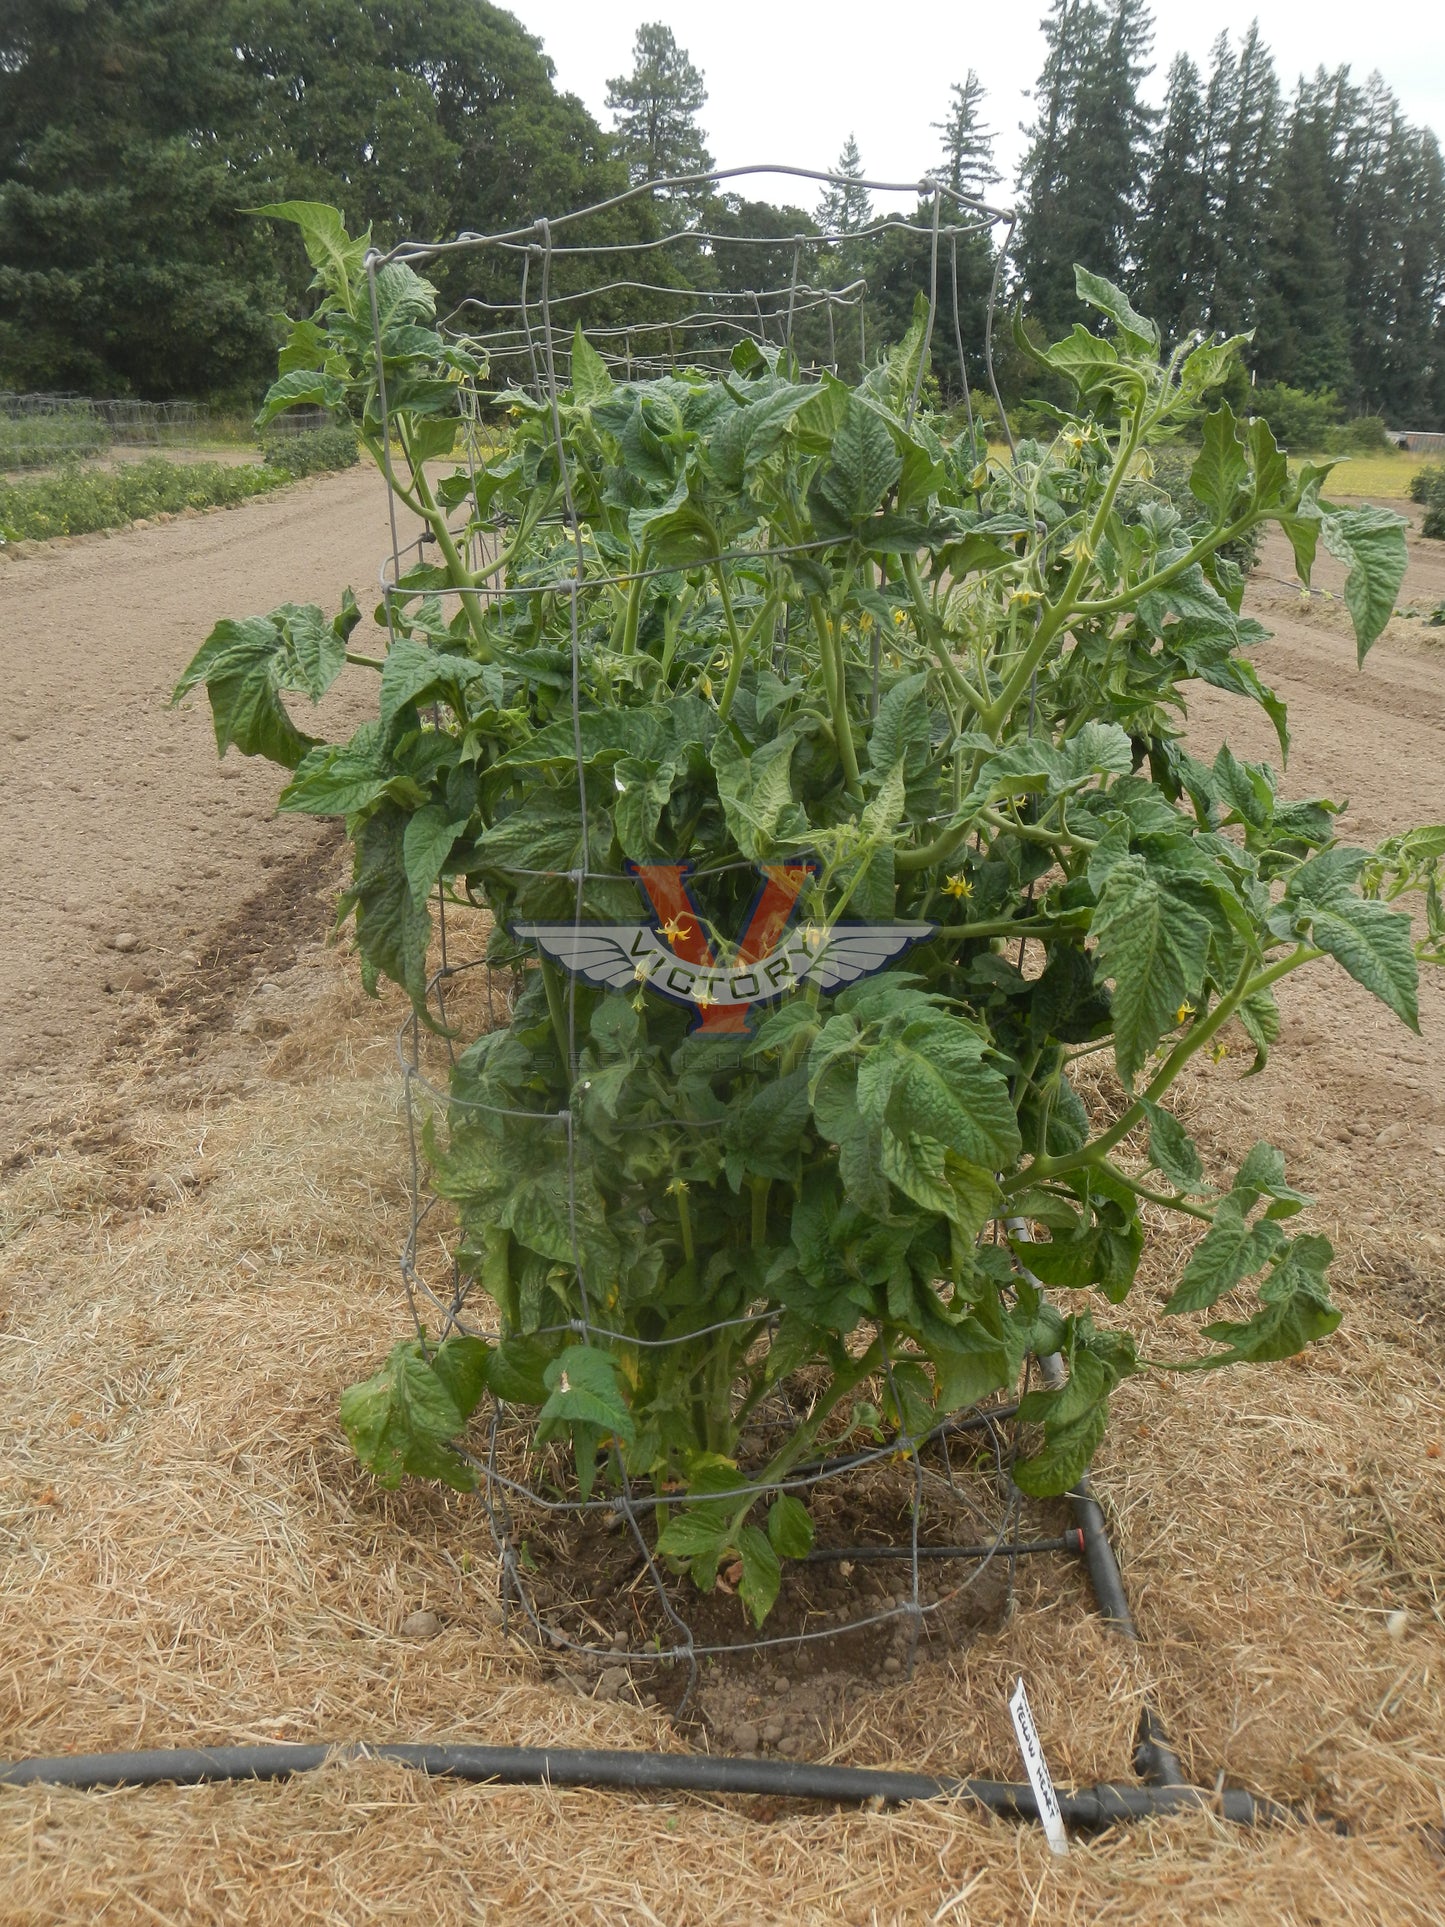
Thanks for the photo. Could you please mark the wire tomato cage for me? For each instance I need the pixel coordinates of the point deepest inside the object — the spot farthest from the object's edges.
(936, 1501)
(958, 1524)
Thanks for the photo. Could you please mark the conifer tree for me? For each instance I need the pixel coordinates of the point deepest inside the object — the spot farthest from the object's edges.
(1174, 281)
(1082, 179)
(655, 108)
(1302, 335)
(845, 206)
(1240, 188)
(967, 158)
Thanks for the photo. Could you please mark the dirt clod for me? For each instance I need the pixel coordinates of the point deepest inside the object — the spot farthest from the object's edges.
(420, 1625)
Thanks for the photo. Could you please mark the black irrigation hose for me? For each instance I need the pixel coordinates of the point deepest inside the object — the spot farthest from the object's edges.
(1002, 1549)
(1096, 1806)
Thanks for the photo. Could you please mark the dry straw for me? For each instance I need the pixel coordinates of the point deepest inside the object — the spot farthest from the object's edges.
(188, 1279)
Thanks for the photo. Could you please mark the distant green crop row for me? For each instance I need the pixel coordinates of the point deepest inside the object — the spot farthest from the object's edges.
(36, 441)
(77, 501)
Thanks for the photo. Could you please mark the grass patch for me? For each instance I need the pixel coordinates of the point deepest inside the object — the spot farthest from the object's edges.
(78, 501)
(1388, 473)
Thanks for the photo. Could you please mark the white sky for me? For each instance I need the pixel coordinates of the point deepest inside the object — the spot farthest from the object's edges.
(789, 82)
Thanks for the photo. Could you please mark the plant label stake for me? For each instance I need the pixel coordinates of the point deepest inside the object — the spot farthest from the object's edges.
(1037, 1768)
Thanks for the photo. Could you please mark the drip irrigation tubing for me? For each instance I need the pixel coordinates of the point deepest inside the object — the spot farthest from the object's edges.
(1091, 1807)
(1086, 1807)
(861, 1555)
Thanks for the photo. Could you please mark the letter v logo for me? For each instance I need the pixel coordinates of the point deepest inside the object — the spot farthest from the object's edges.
(680, 921)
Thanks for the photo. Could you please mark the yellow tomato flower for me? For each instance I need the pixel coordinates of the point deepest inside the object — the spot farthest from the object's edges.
(958, 886)
(674, 928)
(1184, 1013)
(1220, 1052)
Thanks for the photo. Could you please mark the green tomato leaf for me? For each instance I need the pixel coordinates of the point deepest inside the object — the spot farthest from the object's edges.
(336, 257)
(1271, 469)
(756, 793)
(463, 1364)
(1065, 1455)
(426, 844)
(1172, 1150)
(967, 1365)
(789, 1527)
(584, 1389)
(1220, 470)
(516, 1370)
(864, 466)
(932, 1079)
(764, 1132)
(1155, 947)
(901, 729)
(590, 379)
(393, 930)
(1372, 542)
(762, 1574)
(1138, 336)
(400, 1419)
(245, 665)
(1294, 1312)
(413, 673)
(1210, 363)
(300, 388)
(697, 1532)
(643, 790)
(1231, 1250)
(1375, 945)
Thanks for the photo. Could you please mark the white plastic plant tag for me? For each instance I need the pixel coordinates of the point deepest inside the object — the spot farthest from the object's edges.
(1037, 1769)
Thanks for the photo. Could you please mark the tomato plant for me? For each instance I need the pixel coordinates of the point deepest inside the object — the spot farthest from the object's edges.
(765, 627)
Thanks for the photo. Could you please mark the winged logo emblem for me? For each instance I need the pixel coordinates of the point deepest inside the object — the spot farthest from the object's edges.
(672, 955)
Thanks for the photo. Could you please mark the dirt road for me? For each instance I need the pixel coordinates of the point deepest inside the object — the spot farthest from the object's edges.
(117, 817)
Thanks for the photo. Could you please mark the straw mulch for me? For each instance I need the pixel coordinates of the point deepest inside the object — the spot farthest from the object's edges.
(191, 1275)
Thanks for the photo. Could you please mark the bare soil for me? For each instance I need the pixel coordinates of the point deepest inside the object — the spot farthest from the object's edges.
(117, 820)
(198, 1230)
(841, 1625)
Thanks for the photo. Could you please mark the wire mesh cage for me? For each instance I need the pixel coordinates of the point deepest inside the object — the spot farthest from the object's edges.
(895, 1489)
(37, 430)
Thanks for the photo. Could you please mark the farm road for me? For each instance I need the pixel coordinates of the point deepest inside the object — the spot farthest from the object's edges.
(115, 816)
(1356, 1102)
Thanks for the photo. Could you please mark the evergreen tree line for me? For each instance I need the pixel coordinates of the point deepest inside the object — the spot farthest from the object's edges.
(135, 134)
(1317, 220)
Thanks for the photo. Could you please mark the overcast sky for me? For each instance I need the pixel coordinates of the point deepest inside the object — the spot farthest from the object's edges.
(789, 82)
